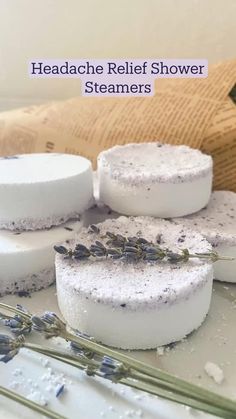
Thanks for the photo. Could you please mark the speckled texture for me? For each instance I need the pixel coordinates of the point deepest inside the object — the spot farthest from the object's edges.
(136, 164)
(32, 224)
(216, 222)
(30, 283)
(139, 285)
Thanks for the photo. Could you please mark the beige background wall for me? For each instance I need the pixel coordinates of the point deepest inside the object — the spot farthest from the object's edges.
(105, 29)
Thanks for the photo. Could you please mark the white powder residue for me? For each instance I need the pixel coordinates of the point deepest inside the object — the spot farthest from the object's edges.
(214, 371)
(37, 397)
(160, 350)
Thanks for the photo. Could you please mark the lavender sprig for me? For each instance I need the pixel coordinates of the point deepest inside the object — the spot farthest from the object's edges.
(18, 324)
(49, 324)
(112, 370)
(9, 347)
(153, 377)
(133, 249)
(12, 395)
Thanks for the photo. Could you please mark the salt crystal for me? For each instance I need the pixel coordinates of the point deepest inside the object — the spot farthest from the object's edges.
(37, 397)
(214, 371)
(160, 350)
(14, 384)
(45, 362)
(17, 372)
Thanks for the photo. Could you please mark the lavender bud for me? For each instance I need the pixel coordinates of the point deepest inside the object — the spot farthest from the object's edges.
(93, 229)
(61, 249)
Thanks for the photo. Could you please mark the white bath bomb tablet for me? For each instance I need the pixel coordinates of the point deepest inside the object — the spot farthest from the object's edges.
(27, 257)
(155, 179)
(136, 305)
(217, 223)
(41, 190)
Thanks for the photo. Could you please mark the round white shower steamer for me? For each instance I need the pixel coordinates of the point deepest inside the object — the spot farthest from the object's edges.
(154, 179)
(138, 305)
(217, 223)
(41, 190)
(27, 258)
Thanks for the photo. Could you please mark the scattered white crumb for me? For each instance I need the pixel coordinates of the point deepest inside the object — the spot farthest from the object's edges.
(17, 372)
(214, 371)
(37, 397)
(192, 411)
(111, 408)
(160, 350)
(45, 362)
(129, 413)
(14, 384)
(138, 397)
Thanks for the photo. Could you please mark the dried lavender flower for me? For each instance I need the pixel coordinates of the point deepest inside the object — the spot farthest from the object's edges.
(134, 249)
(116, 366)
(113, 370)
(76, 347)
(59, 390)
(19, 324)
(93, 229)
(49, 324)
(9, 347)
(61, 249)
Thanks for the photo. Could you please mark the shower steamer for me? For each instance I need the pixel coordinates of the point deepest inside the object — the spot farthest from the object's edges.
(41, 190)
(154, 179)
(217, 223)
(135, 304)
(27, 258)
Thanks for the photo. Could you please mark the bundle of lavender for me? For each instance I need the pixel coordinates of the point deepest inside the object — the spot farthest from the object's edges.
(98, 360)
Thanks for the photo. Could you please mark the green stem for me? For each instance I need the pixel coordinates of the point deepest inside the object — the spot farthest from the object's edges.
(174, 384)
(204, 256)
(190, 389)
(195, 404)
(156, 385)
(30, 404)
(140, 382)
(15, 310)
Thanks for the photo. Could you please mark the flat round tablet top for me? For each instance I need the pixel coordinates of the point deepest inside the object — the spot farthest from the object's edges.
(41, 167)
(38, 191)
(139, 284)
(217, 222)
(155, 162)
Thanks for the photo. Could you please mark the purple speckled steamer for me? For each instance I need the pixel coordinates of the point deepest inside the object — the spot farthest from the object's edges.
(30, 283)
(33, 224)
(128, 289)
(154, 179)
(159, 163)
(216, 222)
